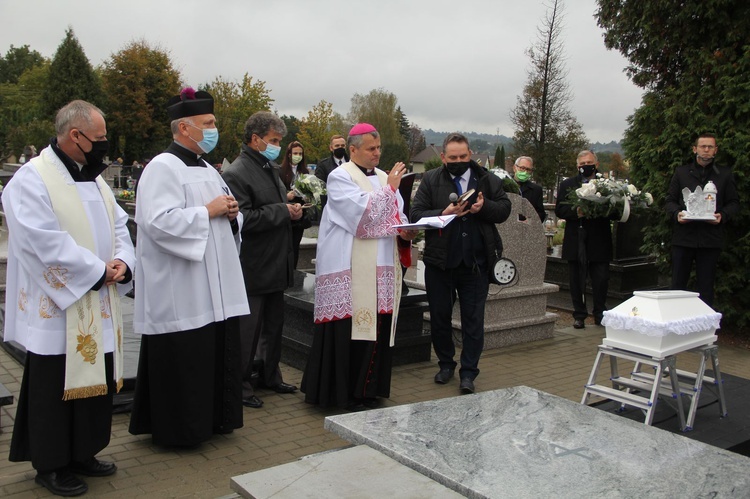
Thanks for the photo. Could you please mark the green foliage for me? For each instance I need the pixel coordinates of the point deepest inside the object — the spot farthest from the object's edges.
(545, 127)
(695, 61)
(71, 77)
(379, 109)
(316, 130)
(292, 130)
(234, 103)
(480, 146)
(433, 163)
(499, 160)
(138, 81)
(22, 118)
(16, 61)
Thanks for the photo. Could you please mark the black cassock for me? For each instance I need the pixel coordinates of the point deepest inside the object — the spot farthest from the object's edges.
(189, 385)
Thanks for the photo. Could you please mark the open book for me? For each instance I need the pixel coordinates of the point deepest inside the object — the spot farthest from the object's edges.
(428, 223)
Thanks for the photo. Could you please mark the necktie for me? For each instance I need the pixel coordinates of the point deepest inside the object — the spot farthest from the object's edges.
(457, 181)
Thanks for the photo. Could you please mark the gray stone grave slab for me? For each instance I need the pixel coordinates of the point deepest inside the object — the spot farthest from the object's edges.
(520, 442)
(359, 471)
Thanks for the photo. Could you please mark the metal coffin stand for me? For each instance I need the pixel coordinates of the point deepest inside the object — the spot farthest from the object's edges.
(667, 381)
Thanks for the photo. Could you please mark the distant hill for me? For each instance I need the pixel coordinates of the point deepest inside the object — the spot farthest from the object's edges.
(612, 146)
(489, 142)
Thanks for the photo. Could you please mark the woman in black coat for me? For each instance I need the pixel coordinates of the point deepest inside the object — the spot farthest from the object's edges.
(293, 165)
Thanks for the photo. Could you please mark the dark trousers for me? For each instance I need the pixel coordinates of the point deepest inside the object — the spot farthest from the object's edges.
(51, 432)
(706, 260)
(471, 288)
(598, 272)
(261, 339)
(297, 232)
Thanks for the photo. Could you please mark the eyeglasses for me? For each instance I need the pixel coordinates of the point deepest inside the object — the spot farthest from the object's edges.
(525, 168)
(708, 148)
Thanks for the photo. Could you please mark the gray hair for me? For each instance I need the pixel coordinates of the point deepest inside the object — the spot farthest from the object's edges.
(175, 124)
(75, 114)
(586, 152)
(356, 140)
(261, 123)
(530, 160)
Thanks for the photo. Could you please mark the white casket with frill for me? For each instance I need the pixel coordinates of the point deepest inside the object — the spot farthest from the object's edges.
(661, 323)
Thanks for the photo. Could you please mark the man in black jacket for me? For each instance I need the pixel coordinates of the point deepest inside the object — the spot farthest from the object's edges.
(587, 245)
(267, 255)
(458, 258)
(338, 157)
(522, 169)
(699, 240)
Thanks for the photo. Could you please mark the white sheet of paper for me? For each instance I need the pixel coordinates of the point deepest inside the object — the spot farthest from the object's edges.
(437, 222)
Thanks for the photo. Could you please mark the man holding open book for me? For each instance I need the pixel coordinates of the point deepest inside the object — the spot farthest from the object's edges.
(458, 258)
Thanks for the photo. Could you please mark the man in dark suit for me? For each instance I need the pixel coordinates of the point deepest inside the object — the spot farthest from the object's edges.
(587, 245)
(523, 169)
(338, 157)
(458, 258)
(266, 255)
(700, 240)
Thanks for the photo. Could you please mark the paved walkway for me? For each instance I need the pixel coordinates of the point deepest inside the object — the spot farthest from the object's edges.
(286, 428)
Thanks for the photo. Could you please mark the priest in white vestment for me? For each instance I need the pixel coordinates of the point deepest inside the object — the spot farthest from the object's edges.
(189, 291)
(69, 257)
(358, 280)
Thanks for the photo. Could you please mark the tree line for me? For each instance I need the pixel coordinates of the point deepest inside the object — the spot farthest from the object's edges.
(133, 86)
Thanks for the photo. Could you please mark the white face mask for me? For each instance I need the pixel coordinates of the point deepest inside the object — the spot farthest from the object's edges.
(296, 159)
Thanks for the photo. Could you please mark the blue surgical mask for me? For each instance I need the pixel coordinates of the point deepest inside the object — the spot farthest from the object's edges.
(210, 139)
(271, 152)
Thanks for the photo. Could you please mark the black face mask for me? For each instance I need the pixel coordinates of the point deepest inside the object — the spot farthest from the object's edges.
(339, 153)
(587, 170)
(457, 169)
(98, 150)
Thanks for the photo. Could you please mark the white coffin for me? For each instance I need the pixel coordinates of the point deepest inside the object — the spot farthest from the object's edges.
(661, 323)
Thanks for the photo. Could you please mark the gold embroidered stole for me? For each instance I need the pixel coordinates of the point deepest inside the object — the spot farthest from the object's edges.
(85, 373)
(364, 272)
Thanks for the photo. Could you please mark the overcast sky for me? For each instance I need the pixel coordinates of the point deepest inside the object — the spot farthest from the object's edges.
(454, 65)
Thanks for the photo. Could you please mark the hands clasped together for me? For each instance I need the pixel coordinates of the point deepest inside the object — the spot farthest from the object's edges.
(223, 205)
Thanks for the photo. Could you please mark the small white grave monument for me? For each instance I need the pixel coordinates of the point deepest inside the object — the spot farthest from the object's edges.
(661, 323)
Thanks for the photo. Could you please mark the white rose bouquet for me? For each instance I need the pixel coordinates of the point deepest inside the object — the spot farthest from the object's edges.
(609, 198)
(310, 188)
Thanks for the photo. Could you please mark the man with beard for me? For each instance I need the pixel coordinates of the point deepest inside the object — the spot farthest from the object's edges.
(68, 251)
(189, 289)
(337, 158)
(700, 241)
(459, 257)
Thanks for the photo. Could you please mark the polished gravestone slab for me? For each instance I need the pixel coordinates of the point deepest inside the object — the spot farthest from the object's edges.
(360, 472)
(520, 442)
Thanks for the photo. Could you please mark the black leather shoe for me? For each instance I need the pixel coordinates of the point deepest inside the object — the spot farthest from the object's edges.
(598, 321)
(62, 483)
(443, 376)
(579, 324)
(93, 467)
(466, 386)
(252, 401)
(283, 388)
